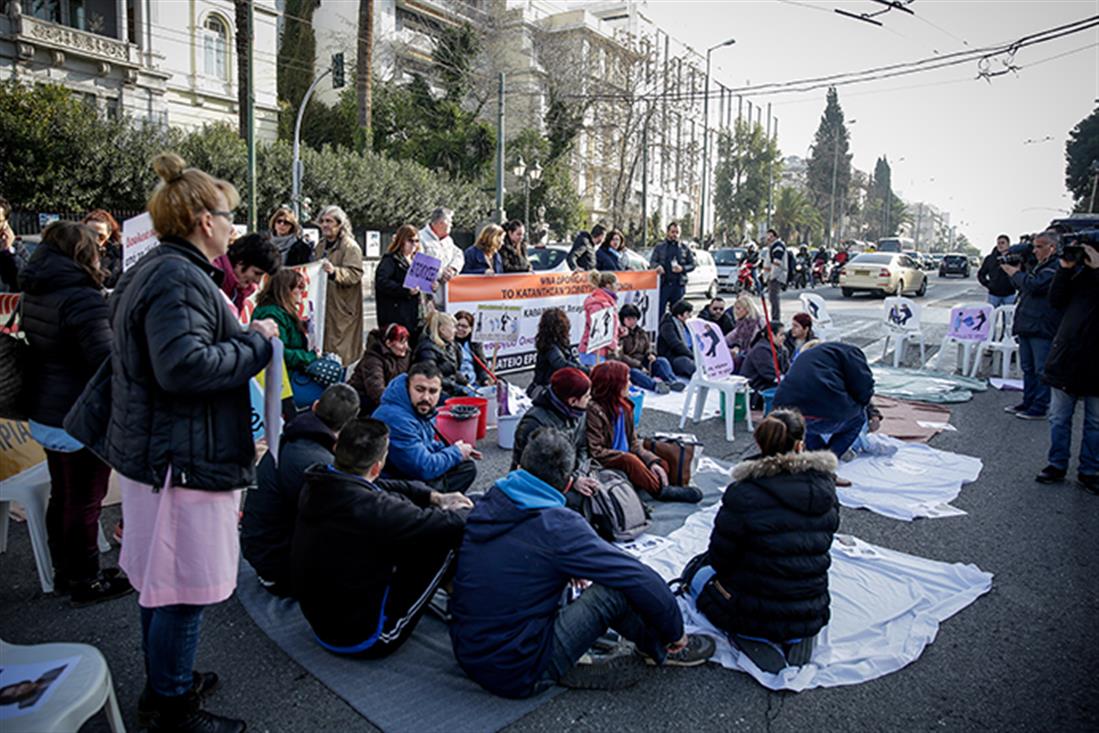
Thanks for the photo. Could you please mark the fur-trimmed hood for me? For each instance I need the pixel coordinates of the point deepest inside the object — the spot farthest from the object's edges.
(761, 467)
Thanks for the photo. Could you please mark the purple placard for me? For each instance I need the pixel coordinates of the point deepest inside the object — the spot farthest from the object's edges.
(970, 322)
(422, 273)
(717, 362)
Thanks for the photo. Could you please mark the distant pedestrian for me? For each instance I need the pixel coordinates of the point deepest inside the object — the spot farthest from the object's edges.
(674, 260)
(775, 266)
(108, 236)
(993, 278)
(343, 263)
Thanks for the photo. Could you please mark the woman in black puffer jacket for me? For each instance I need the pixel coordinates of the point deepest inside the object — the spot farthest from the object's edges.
(437, 345)
(66, 321)
(767, 580)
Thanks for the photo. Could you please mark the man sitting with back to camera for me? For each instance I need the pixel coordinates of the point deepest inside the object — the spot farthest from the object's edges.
(522, 546)
(673, 340)
(408, 408)
(366, 561)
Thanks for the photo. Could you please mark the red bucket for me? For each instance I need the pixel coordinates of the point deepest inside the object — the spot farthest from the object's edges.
(454, 430)
(480, 403)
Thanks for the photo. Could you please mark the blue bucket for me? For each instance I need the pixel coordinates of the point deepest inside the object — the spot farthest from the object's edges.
(637, 397)
(768, 396)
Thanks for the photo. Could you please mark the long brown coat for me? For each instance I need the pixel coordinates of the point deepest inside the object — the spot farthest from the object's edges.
(343, 311)
(601, 437)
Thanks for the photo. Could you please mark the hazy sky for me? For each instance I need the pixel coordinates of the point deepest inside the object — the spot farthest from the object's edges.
(967, 134)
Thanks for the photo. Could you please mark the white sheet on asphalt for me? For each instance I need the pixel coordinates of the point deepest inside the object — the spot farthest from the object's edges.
(916, 481)
(673, 403)
(886, 608)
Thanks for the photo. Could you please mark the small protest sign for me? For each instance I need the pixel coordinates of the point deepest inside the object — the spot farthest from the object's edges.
(717, 362)
(497, 324)
(423, 272)
(373, 249)
(970, 322)
(601, 330)
(138, 239)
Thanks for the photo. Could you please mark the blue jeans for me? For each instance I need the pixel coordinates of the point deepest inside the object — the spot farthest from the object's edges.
(670, 295)
(997, 300)
(587, 618)
(1062, 408)
(661, 368)
(834, 435)
(1033, 351)
(169, 638)
(683, 366)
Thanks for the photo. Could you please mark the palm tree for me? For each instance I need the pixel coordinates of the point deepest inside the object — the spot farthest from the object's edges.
(243, 40)
(364, 76)
(794, 213)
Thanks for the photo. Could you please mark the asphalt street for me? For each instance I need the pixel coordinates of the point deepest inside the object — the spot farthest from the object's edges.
(1022, 657)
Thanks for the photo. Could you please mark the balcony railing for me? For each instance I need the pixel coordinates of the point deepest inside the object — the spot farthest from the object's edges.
(56, 37)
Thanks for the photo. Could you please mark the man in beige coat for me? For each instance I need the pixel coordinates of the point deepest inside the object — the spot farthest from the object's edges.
(343, 310)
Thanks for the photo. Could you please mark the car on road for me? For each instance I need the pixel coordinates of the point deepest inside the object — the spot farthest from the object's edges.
(882, 273)
(895, 244)
(702, 281)
(954, 263)
(727, 261)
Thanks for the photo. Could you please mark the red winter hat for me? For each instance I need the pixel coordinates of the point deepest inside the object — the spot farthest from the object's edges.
(804, 320)
(569, 382)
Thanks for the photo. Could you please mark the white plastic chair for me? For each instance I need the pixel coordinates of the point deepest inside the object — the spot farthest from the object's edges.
(31, 488)
(74, 697)
(1002, 342)
(902, 325)
(721, 380)
(815, 306)
(955, 334)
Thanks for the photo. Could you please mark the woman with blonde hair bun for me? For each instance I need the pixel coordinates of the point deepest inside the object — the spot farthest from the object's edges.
(170, 411)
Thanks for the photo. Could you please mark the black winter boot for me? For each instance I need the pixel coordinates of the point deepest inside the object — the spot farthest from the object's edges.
(184, 714)
(202, 684)
(687, 494)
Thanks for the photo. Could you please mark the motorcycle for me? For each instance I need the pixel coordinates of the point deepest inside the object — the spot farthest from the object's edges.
(820, 273)
(746, 279)
(837, 269)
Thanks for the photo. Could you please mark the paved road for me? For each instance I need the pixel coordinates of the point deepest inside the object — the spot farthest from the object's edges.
(1023, 657)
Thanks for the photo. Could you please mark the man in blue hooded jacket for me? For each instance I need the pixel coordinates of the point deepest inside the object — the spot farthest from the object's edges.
(521, 549)
(415, 453)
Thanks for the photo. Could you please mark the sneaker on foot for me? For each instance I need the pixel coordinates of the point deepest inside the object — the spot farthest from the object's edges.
(62, 586)
(101, 589)
(848, 456)
(203, 684)
(698, 651)
(1050, 475)
(1089, 482)
(615, 669)
(842, 482)
(677, 386)
(185, 715)
(1015, 408)
(1031, 415)
(686, 494)
(661, 388)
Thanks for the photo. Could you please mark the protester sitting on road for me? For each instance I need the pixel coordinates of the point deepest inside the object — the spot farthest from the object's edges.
(436, 242)
(343, 263)
(387, 355)
(831, 385)
(249, 258)
(1036, 322)
(608, 256)
(66, 321)
(749, 322)
(554, 346)
(513, 254)
(521, 548)
(582, 254)
(285, 233)
(484, 256)
(408, 408)
(801, 333)
(614, 444)
(715, 312)
(108, 235)
(171, 417)
(647, 370)
(1070, 368)
(472, 363)
(673, 340)
(271, 506)
(758, 366)
(437, 346)
(766, 581)
(393, 302)
(604, 297)
(563, 407)
(366, 560)
(281, 301)
(993, 278)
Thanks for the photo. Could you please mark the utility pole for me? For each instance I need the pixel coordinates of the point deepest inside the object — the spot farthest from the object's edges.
(251, 121)
(499, 215)
(645, 177)
(919, 218)
(706, 139)
(772, 136)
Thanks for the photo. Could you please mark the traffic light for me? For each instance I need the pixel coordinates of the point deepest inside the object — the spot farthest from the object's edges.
(337, 70)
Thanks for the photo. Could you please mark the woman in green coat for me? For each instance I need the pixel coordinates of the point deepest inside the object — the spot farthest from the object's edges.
(281, 300)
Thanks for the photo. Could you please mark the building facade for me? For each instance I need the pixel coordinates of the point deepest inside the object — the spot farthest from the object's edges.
(168, 62)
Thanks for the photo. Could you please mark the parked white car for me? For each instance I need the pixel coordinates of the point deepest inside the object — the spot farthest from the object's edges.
(702, 281)
(554, 258)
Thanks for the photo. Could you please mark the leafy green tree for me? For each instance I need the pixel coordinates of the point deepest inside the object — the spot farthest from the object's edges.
(1081, 151)
(742, 176)
(795, 217)
(555, 191)
(830, 158)
(297, 54)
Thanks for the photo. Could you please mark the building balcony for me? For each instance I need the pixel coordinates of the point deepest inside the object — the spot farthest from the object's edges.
(29, 33)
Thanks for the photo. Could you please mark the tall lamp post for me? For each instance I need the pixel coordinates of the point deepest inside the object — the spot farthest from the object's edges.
(706, 138)
(832, 198)
(530, 174)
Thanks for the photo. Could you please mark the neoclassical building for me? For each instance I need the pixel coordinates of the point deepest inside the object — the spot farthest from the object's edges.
(172, 62)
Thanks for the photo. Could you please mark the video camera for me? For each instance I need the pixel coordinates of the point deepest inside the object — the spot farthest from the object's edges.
(1019, 254)
(1076, 233)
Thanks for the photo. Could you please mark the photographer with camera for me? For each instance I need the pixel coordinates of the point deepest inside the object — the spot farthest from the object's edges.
(993, 278)
(1036, 319)
(1070, 369)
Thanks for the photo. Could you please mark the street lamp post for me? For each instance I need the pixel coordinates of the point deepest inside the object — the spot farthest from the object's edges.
(529, 173)
(832, 198)
(706, 138)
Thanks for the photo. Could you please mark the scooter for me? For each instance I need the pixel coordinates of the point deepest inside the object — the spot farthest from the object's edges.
(820, 273)
(746, 279)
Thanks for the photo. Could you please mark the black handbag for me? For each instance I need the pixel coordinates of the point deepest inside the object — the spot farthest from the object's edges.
(13, 360)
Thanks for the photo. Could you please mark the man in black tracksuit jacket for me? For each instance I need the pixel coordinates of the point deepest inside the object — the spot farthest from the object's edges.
(993, 278)
(366, 561)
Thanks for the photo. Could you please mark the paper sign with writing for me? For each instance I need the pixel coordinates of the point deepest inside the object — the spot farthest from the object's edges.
(373, 248)
(138, 239)
(970, 322)
(717, 362)
(496, 323)
(601, 332)
(423, 272)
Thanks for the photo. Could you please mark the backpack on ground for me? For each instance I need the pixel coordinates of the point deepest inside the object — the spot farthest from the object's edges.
(614, 509)
(678, 451)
